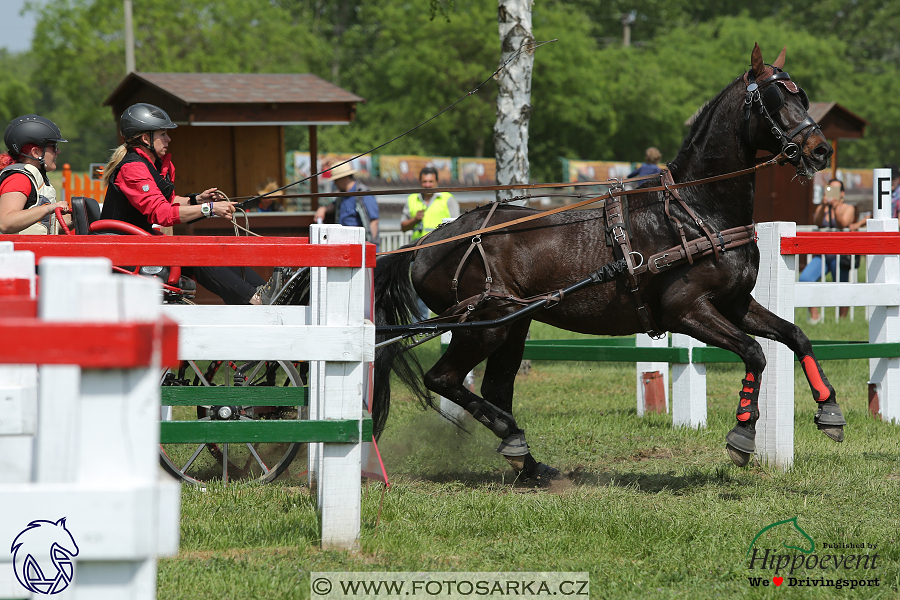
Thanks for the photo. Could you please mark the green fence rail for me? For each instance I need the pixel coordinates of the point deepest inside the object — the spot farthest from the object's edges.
(257, 431)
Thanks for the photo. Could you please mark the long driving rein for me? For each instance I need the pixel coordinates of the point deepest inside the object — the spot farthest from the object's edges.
(613, 192)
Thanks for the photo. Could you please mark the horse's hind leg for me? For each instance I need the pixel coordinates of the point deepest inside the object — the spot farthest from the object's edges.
(759, 321)
(503, 347)
(498, 383)
(706, 324)
(468, 348)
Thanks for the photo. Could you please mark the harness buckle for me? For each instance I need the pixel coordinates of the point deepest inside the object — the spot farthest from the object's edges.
(659, 258)
(619, 233)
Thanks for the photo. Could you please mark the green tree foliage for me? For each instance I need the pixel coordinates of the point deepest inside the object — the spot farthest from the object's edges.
(83, 42)
(591, 98)
(16, 97)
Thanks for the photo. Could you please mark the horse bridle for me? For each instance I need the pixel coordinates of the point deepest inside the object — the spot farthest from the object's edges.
(770, 101)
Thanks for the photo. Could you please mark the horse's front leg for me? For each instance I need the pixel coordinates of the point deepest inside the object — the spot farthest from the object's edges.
(757, 320)
(704, 323)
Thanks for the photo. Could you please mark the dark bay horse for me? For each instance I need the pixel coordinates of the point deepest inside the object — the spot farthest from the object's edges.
(707, 297)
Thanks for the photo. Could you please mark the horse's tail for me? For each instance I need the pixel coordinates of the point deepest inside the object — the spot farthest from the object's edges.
(395, 304)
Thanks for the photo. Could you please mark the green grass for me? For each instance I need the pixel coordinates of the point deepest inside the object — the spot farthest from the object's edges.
(649, 511)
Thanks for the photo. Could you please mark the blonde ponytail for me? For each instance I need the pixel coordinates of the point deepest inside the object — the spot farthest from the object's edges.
(114, 160)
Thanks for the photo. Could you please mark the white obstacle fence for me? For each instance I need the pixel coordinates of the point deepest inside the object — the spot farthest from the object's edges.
(339, 343)
(778, 291)
(79, 431)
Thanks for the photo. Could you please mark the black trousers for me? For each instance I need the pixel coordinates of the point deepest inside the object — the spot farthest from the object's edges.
(234, 285)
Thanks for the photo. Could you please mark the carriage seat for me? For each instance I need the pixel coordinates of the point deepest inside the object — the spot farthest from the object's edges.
(84, 212)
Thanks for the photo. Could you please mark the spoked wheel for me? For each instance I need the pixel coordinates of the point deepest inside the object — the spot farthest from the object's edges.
(200, 463)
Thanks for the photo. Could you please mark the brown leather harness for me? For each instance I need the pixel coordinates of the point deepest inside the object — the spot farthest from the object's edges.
(687, 251)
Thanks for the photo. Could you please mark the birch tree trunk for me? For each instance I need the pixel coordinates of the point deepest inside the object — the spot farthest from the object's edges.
(514, 95)
(514, 103)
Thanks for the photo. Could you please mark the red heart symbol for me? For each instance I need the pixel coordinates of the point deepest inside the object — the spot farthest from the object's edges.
(777, 580)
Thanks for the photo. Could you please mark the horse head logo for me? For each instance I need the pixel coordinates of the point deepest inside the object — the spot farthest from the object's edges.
(787, 530)
(43, 557)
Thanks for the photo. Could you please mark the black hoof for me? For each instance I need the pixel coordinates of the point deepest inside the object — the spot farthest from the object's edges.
(835, 432)
(829, 413)
(740, 444)
(543, 475)
(531, 471)
(741, 459)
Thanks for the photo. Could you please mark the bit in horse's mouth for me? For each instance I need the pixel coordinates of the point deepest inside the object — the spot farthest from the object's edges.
(804, 169)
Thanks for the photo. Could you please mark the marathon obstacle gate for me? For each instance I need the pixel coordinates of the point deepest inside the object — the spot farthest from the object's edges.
(79, 398)
(332, 334)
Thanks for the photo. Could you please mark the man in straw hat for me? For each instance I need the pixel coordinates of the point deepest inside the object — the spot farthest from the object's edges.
(271, 200)
(351, 211)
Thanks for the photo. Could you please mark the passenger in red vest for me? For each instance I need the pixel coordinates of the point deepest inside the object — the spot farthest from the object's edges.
(27, 200)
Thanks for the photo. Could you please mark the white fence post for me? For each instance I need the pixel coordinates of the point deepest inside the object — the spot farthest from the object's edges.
(18, 388)
(775, 291)
(688, 386)
(884, 323)
(642, 340)
(337, 297)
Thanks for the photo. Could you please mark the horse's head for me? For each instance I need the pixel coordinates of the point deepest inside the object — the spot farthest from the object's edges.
(776, 118)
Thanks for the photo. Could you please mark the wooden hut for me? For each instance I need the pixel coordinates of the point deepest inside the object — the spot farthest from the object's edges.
(780, 195)
(231, 125)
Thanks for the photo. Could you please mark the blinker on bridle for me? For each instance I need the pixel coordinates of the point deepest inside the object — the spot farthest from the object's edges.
(770, 101)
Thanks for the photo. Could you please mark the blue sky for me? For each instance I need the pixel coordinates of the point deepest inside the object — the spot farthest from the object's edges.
(15, 30)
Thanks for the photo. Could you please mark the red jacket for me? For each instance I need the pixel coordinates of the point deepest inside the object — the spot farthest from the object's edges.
(136, 183)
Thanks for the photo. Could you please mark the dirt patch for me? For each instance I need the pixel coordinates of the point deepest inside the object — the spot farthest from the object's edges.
(654, 453)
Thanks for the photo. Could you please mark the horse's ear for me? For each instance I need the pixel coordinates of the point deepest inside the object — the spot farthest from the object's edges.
(779, 62)
(756, 60)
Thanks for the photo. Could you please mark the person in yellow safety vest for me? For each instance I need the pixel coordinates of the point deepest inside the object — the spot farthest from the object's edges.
(424, 212)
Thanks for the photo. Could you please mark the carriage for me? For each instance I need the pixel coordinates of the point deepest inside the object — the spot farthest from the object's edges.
(223, 391)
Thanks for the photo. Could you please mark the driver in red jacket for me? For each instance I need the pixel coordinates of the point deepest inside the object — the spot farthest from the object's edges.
(141, 191)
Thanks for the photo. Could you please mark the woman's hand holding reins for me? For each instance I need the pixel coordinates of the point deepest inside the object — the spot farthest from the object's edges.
(223, 208)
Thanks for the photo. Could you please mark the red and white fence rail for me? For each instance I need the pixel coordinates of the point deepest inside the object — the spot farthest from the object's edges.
(79, 430)
(332, 333)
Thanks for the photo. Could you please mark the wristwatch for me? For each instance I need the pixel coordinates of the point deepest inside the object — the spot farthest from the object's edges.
(207, 209)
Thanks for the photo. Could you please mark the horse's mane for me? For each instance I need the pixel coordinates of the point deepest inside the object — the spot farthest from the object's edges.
(700, 126)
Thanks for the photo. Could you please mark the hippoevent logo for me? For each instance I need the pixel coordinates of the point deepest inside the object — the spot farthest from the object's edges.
(795, 562)
(43, 556)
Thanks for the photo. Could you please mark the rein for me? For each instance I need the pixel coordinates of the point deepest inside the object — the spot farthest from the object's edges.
(608, 196)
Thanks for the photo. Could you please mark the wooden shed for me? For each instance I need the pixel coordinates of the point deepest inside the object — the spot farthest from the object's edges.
(780, 196)
(231, 125)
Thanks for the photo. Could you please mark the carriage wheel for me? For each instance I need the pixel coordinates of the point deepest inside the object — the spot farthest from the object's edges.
(205, 462)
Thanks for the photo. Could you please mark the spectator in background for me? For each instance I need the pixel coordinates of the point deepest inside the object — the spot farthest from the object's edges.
(272, 200)
(831, 215)
(650, 166)
(424, 212)
(895, 191)
(351, 211)
(27, 200)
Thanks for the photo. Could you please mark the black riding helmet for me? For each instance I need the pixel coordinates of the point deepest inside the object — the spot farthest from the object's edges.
(31, 129)
(142, 117)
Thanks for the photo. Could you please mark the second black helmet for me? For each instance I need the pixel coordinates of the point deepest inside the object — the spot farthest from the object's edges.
(142, 117)
(31, 129)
